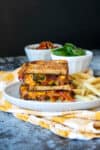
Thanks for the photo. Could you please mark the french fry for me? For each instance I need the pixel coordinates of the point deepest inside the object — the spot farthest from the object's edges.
(87, 86)
(86, 98)
(92, 88)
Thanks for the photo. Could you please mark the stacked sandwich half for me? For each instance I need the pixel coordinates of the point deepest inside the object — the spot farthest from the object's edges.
(45, 81)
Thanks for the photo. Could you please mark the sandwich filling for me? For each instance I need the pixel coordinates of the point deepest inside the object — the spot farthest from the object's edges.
(45, 79)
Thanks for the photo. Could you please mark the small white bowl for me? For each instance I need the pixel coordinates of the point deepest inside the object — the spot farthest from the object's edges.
(38, 54)
(76, 63)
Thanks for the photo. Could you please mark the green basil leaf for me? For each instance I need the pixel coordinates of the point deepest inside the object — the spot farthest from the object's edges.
(68, 49)
(78, 52)
(59, 52)
(69, 46)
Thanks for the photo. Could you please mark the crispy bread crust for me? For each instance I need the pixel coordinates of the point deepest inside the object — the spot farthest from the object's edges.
(46, 88)
(45, 67)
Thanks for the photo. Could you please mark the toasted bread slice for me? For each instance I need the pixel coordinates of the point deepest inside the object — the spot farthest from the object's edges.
(67, 87)
(45, 67)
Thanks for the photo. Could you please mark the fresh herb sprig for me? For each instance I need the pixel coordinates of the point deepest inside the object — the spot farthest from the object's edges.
(69, 49)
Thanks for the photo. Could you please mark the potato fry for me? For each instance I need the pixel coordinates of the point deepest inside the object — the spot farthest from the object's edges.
(94, 80)
(86, 98)
(87, 86)
(92, 88)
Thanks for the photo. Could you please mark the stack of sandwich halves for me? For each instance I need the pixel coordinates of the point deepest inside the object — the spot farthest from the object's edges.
(45, 81)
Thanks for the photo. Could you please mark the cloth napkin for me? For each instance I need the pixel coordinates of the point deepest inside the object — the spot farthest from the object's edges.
(81, 124)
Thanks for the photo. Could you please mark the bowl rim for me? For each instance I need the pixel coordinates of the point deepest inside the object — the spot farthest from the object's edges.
(37, 51)
(28, 47)
(88, 53)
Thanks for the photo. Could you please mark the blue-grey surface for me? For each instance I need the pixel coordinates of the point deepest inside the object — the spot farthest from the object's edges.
(19, 135)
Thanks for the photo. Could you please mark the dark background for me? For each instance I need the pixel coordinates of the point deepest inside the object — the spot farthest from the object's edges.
(24, 22)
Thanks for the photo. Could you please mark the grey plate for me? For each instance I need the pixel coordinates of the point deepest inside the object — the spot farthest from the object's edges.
(11, 93)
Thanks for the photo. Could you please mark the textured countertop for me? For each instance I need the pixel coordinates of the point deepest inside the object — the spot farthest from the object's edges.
(19, 135)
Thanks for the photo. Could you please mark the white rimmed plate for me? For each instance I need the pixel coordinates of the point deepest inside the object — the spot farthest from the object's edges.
(11, 93)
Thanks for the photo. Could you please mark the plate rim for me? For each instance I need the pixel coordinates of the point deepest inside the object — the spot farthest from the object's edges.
(43, 102)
